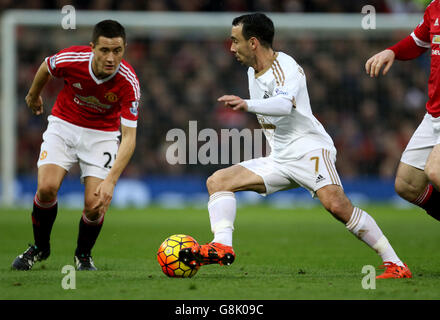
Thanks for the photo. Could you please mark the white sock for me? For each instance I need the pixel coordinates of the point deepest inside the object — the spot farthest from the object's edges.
(363, 226)
(222, 210)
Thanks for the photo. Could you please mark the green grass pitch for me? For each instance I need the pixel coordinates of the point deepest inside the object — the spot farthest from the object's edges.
(281, 255)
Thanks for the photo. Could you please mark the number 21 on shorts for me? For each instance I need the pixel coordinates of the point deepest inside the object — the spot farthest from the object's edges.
(109, 159)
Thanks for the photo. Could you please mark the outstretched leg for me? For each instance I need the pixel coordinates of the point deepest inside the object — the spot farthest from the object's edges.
(364, 227)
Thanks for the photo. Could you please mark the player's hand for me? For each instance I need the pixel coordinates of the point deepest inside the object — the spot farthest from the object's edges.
(375, 63)
(35, 104)
(104, 192)
(234, 102)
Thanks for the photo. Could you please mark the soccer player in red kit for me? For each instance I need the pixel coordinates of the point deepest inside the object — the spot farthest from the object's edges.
(418, 174)
(100, 96)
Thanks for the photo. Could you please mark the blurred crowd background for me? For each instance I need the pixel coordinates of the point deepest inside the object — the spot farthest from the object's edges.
(330, 6)
(370, 120)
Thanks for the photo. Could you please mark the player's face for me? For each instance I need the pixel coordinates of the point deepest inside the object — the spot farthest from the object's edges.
(240, 47)
(108, 54)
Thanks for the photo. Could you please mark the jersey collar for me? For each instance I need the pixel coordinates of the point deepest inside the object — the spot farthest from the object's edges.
(259, 74)
(99, 81)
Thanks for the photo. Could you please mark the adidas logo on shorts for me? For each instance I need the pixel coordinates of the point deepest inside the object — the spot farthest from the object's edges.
(319, 178)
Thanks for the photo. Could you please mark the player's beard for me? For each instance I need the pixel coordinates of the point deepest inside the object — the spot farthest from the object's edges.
(245, 57)
(241, 59)
(247, 61)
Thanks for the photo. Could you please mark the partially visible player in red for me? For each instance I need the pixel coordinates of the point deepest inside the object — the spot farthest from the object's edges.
(418, 174)
(100, 96)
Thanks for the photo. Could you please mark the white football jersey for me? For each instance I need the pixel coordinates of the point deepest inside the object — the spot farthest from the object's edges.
(293, 135)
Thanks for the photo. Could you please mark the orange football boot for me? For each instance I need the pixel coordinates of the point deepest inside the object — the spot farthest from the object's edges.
(209, 253)
(392, 270)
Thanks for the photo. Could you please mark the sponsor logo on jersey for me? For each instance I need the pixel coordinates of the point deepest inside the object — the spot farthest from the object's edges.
(77, 85)
(266, 95)
(278, 91)
(91, 102)
(436, 39)
(436, 52)
(134, 108)
(110, 96)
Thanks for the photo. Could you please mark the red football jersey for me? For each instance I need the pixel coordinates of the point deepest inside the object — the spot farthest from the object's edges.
(427, 35)
(89, 102)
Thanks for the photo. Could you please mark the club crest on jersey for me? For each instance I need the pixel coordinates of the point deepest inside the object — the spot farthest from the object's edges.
(43, 155)
(134, 108)
(110, 96)
(436, 39)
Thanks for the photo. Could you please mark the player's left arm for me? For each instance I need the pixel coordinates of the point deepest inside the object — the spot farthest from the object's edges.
(105, 189)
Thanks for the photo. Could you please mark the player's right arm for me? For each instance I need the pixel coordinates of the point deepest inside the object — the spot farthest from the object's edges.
(408, 48)
(375, 63)
(273, 106)
(33, 99)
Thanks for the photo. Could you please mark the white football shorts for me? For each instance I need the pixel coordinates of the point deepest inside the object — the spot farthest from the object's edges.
(426, 136)
(65, 144)
(312, 171)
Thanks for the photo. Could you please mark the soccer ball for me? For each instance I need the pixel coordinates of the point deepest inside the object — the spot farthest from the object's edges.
(168, 256)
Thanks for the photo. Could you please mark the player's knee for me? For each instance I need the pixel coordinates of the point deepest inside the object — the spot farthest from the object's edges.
(213, 183)
(47, 192)
(216, 182)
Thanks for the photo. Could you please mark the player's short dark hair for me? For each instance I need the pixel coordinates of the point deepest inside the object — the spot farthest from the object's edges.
(108, 29)
(256, 25)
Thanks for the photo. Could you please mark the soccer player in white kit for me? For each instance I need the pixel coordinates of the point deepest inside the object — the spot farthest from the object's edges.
(302, 153)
